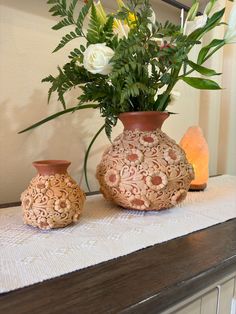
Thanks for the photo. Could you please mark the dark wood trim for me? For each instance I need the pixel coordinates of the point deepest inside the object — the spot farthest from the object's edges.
(13, 204)
(179, 5)
(146, 281)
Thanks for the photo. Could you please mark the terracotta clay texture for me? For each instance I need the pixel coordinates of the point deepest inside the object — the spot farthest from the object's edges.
(53, 199)
(144, 169)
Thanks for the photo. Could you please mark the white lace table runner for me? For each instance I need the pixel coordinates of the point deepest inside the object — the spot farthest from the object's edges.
(104, 232)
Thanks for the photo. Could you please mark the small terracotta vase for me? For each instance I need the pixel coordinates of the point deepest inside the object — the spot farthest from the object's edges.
(144, 169)
(53, 199)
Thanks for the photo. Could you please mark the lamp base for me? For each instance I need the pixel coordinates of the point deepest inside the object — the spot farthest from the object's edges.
(197, 187)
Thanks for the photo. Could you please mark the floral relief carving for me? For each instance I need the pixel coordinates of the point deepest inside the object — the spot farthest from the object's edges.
(52, 201)
(144, 170)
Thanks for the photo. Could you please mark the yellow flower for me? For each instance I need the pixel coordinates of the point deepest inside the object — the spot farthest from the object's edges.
(131, 20)
(131, 16)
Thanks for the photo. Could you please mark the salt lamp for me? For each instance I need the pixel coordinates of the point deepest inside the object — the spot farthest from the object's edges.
(197, 153)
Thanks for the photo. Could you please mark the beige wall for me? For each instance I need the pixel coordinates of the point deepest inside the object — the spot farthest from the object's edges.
(227, 125)
(26, 44)
(217, 115)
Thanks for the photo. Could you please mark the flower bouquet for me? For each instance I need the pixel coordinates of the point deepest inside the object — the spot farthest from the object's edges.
(131, 62)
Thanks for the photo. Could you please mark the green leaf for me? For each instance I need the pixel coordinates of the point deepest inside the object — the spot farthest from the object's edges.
(166, 78)
(76, 54)
(62, 23)
(72, 8)
(82, 48)
(211, 23)
(204, 51)
(201, 83)
(192, 12)
(209, 7)
(65, 40)
(108, 27)
(60, 10)
(214, 20)
(83, 13)
(55, 8)
(55, 115)
(162, 102)
(202, 70)
(63, 3)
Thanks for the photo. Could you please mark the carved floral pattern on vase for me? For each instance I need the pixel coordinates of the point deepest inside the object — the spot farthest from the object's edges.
(144, 170)
(52, 201)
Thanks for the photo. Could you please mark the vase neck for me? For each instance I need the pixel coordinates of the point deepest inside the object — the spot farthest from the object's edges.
(143, 120)
(51, 167)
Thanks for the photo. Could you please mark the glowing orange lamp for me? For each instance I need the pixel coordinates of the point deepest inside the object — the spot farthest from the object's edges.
(197, 153)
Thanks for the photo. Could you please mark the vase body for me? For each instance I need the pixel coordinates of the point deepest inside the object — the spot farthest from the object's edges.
(144, 169)
(53, 199)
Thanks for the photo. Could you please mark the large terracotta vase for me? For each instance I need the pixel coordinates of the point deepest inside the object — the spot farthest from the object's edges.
(144, 169)
(53, 199)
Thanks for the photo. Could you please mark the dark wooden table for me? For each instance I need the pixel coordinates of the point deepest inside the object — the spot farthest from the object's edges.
(146, 281)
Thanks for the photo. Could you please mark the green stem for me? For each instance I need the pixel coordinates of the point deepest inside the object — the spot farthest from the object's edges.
(169, 88)
(87, 155)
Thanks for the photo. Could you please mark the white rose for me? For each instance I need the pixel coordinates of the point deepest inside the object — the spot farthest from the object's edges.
(97, 57)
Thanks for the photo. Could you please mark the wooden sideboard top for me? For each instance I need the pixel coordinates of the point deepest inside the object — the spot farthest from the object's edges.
(146, 281)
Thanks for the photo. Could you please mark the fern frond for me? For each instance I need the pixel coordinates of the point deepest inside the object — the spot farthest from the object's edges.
(108, 27)
(65, 40)
(63, 23)
(71, 9)
(93, 34)
(49, 78)
(132, 90)
(76, 54)
(110, 122)
(83, 13)
(59, 9)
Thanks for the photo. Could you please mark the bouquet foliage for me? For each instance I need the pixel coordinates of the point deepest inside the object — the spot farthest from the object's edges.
(131, 61)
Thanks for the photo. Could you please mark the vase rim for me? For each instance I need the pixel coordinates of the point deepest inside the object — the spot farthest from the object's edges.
(143, 120)
(51, 166)
(51, 162)
(134, 113)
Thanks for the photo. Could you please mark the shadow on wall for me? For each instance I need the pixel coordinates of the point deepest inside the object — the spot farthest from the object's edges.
(63, 138)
